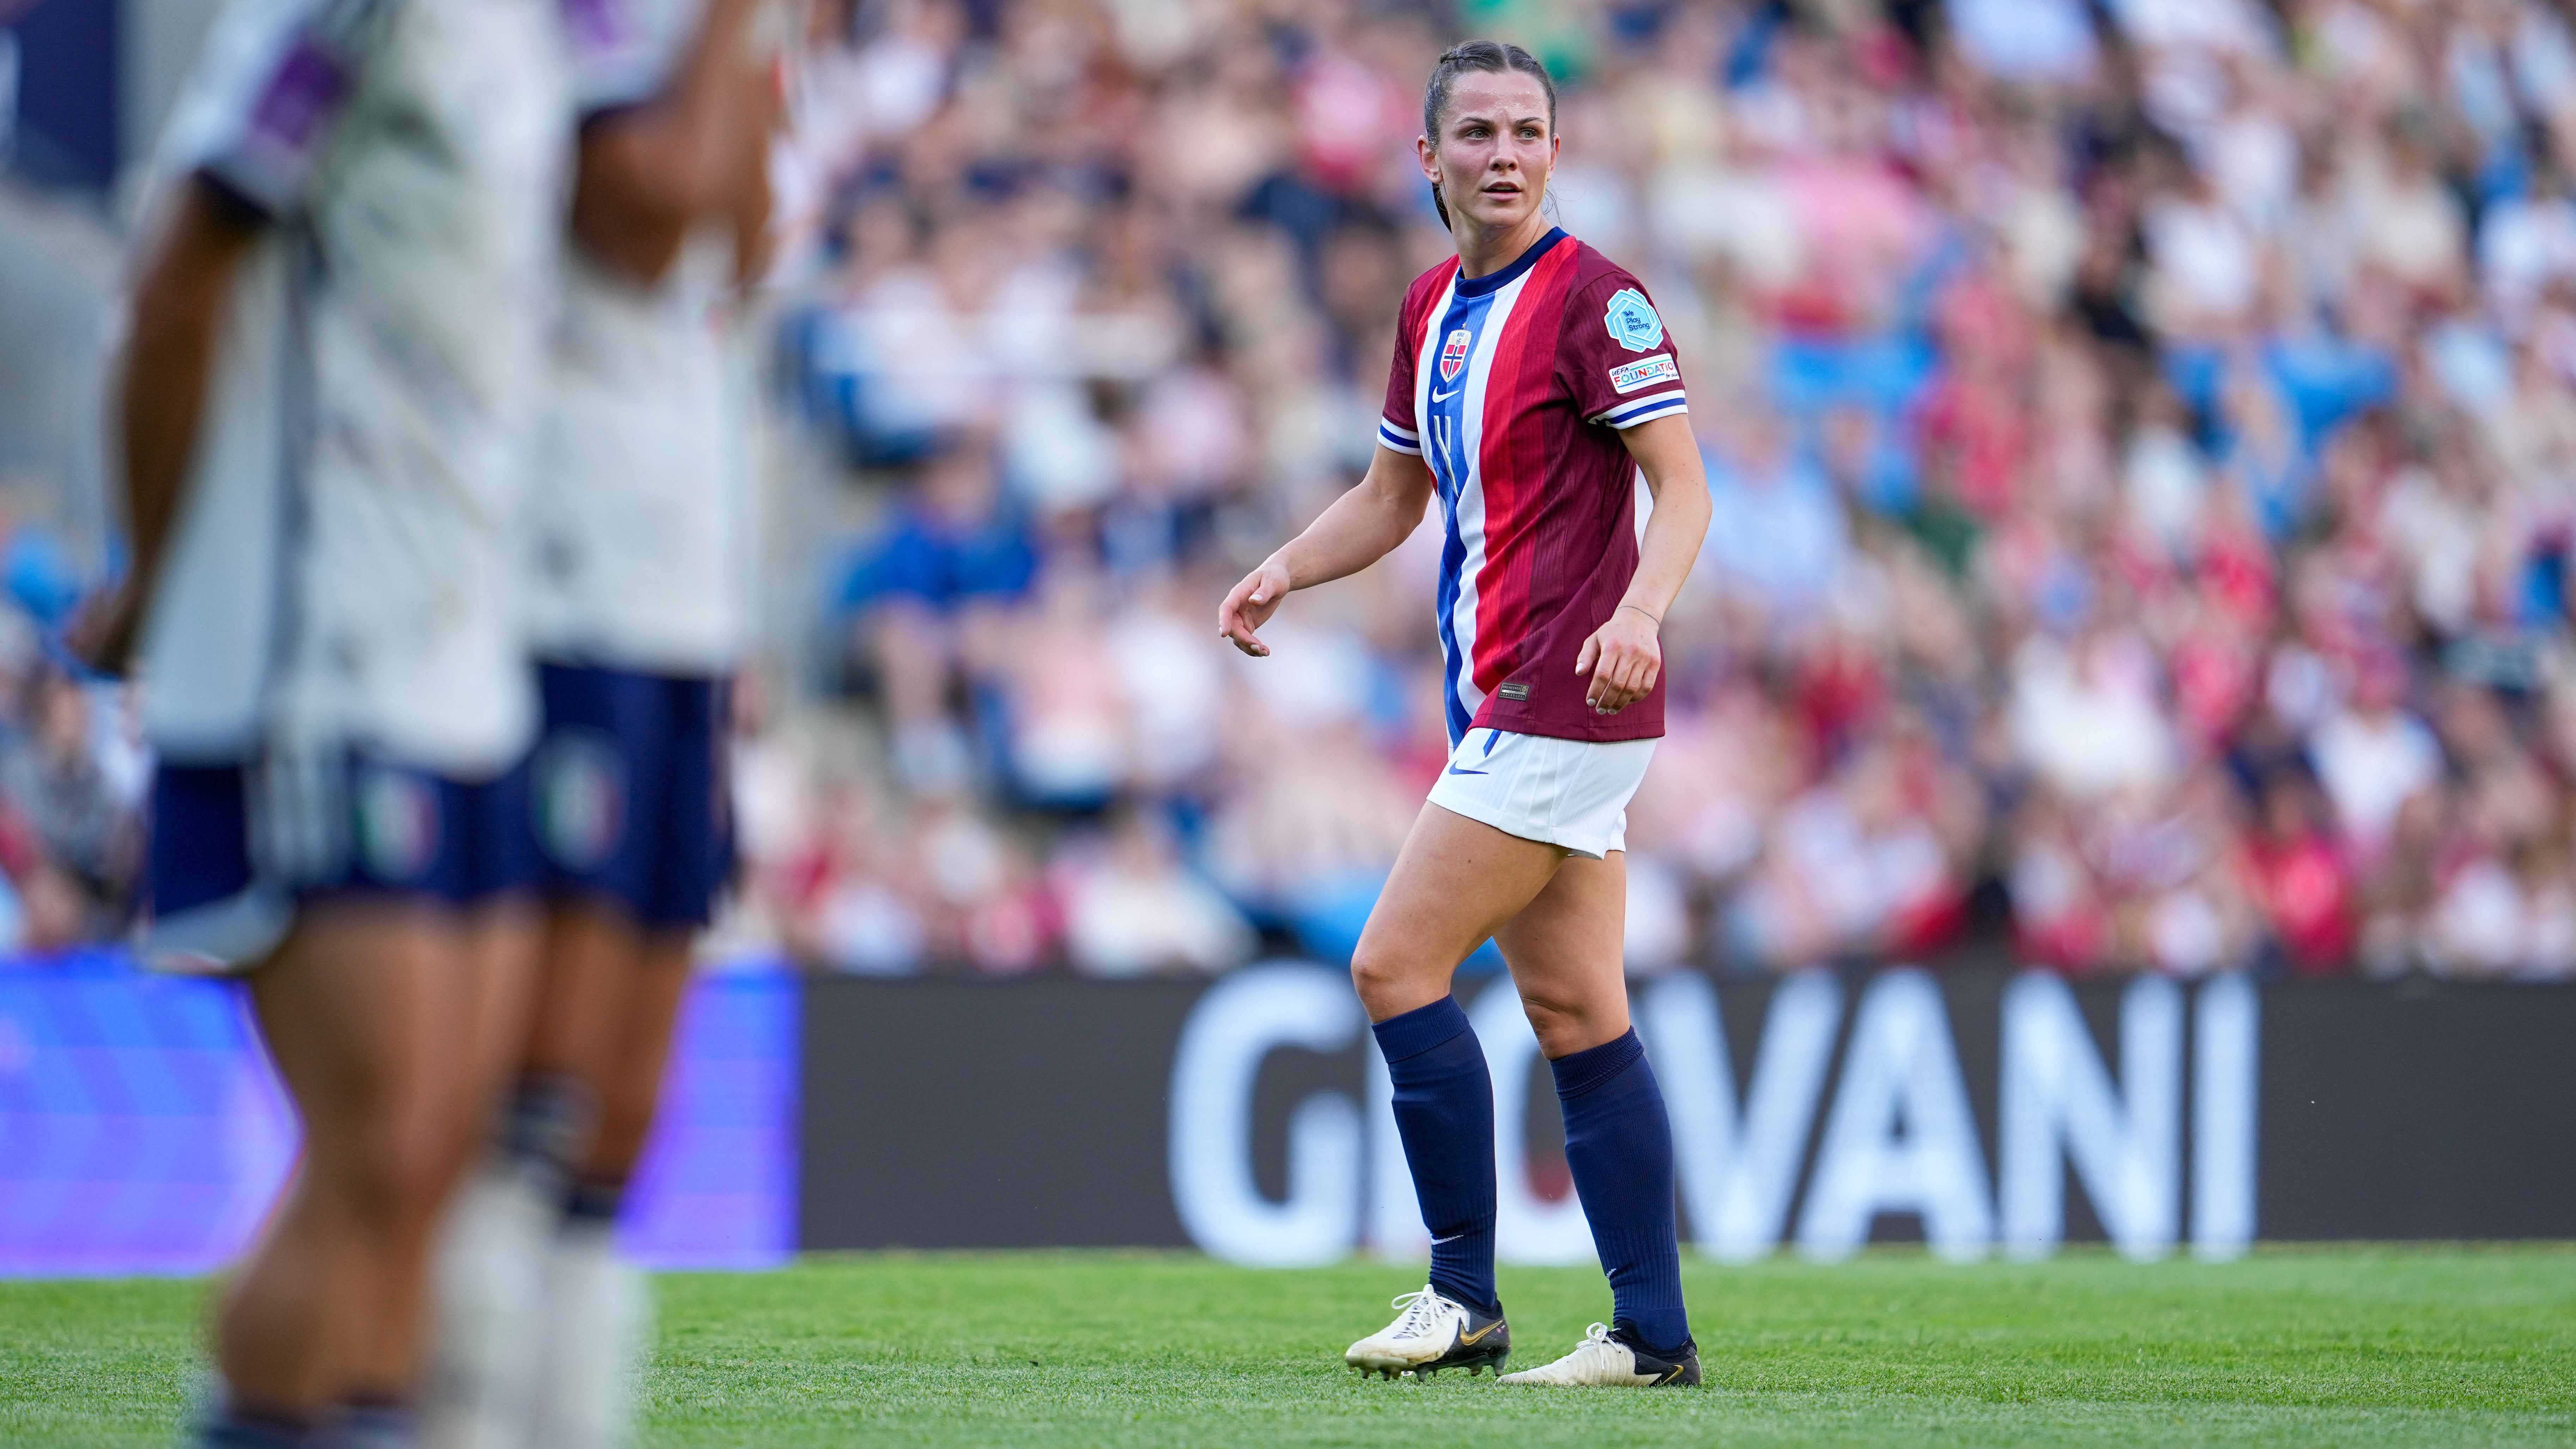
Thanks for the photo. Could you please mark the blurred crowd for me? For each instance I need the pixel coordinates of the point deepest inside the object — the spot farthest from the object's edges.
(73, 767)
(2143, 435)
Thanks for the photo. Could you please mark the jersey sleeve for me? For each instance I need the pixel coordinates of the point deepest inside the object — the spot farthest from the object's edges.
(1615, 356)
(266, 94)
(622, 51)
(1395, 423)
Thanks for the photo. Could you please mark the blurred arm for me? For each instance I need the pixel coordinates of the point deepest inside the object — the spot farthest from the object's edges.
(648, 172)
(176, 321)
(1361, 527)
(752, 199)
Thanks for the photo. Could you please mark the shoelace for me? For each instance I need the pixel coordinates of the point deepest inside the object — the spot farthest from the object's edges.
(1596, 1342)
(1421, 1312)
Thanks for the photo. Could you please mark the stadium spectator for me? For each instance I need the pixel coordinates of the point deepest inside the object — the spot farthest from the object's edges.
(2143, 440)
(2145, 479)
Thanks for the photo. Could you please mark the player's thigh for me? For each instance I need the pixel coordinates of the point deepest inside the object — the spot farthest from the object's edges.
(588, 959)
(361, 1006)
(500, 939)
(1566, 952)
(631, 1085)
(1454, 883)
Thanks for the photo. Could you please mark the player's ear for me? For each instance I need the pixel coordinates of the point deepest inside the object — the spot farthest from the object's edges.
(1429, 156)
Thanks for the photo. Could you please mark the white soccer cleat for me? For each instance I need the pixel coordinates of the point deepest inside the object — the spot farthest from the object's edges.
(1430, 1334)
(598, 1311)
(489, 1282)
(1603, 1362)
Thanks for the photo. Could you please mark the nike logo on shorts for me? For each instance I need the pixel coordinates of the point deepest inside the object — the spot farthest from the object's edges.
(1454, 770)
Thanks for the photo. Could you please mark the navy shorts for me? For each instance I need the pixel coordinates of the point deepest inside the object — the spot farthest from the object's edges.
(629, 789)
(234, 848)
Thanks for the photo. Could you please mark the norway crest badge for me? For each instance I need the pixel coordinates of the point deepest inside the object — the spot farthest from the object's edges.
(1453, 355)
(1632, 321)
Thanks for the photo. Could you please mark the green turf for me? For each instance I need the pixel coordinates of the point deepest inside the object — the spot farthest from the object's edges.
(2373, 1346)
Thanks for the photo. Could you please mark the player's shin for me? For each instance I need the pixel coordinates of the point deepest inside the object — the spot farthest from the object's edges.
(483, 1379)
(597, 1315)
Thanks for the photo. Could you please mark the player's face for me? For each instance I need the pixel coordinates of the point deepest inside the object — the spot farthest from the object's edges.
(1495, 148)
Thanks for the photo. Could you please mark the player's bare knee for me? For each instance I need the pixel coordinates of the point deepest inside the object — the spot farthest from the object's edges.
(395, 1177)
(1386, 979)
(1564, 1025)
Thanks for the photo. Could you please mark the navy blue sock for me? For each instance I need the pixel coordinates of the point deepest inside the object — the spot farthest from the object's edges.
(594, 1202)
(234, 1429)
(376, 1423)
(1620, 1148)
(1444, 1111)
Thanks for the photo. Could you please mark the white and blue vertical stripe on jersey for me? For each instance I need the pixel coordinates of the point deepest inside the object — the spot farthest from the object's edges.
(1450, 405)
(1452, 455)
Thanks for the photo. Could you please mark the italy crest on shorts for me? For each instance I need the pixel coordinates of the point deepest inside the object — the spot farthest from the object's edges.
(1632, 320)
(1453, 355)
(580, 798)
(398, 824)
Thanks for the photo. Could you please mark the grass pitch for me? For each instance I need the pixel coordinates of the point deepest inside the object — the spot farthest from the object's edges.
(2370, 1346)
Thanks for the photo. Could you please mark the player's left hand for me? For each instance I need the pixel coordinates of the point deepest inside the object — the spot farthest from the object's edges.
(1623, 657)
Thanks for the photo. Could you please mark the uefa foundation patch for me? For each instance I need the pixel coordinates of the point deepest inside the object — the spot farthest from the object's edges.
(1644, 372)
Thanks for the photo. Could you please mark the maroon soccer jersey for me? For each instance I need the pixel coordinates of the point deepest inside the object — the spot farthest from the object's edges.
(1513, 386)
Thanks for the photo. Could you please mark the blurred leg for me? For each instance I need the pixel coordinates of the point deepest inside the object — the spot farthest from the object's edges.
(360, 1007)
(489, 1015)
(628, 1085)
(597, 1309)
(587, 975)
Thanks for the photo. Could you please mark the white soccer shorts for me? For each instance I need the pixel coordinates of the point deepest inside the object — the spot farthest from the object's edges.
(1570, 793)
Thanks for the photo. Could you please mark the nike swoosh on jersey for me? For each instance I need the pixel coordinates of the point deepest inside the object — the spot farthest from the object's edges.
(1438, 396)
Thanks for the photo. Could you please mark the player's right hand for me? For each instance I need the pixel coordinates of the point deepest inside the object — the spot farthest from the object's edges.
(1249, 605)
(103, 633)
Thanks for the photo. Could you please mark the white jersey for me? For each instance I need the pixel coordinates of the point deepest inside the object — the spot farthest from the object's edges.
(640, 509)
(346, 566)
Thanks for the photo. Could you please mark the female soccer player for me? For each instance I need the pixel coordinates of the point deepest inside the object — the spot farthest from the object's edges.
(638, 606)
(1532, 384)
(335, 322)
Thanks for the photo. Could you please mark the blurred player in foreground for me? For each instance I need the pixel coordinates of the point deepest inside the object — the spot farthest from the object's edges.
(1533, 384)
(638, 600)
(336, 338)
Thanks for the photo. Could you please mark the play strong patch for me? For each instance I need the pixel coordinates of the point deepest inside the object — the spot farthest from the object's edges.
(1630, 376)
